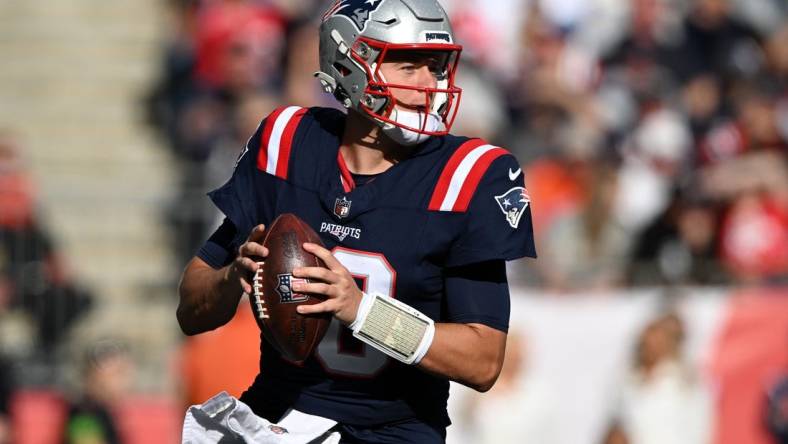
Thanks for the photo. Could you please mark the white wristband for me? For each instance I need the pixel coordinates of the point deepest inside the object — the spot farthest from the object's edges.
(393, 327)
(363, 310)
(424, 346)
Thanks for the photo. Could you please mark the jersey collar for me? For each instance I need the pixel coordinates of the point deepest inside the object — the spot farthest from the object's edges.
(346, 201)
(345, 176)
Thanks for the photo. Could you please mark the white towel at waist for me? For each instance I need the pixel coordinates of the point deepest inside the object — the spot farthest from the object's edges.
(227, 420)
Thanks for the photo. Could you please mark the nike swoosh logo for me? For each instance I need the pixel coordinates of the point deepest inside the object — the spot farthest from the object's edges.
(513, 174)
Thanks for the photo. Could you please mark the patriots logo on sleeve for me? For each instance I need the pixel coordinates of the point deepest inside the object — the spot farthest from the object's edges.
(513, 204)
(357, 11)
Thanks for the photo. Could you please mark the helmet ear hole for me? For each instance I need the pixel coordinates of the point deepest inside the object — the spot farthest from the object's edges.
(342, 96)
(343, 71)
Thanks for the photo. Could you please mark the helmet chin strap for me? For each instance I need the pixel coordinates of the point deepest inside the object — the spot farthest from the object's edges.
(428, 121)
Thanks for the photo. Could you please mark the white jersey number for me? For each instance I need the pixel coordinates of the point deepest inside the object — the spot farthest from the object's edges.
(339, 352)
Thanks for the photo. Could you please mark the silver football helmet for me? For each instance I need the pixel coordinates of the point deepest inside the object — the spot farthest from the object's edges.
(355, 38)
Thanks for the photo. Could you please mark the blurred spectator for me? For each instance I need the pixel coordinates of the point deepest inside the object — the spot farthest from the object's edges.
(777, 53)
(680, 246)
(653, 159)
(615, 435)
(755, 127)
(645, 58)
(701, 100)
(16, 188)
(519, 408)
(176, 85)
(300, 10)
(754, 239)
(662, 400)
(33, 277)
(556, 182)
(238, 46)
(106, 378)
(553, 72)
(716, 41)
(587, 249)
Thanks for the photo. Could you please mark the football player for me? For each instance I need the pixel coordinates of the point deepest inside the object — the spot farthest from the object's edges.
(417, 225)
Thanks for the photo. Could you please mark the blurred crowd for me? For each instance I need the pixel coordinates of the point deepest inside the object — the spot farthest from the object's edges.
(37, 288)
(625, 372)
(653, 132)
(40, 299)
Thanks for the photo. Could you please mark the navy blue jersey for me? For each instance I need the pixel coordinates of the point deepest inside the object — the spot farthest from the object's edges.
(455, 204)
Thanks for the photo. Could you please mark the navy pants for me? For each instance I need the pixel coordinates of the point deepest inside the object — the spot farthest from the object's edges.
(409, 431)
(401, 432)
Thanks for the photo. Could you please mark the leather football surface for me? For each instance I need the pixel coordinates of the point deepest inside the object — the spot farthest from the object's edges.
(273, 300)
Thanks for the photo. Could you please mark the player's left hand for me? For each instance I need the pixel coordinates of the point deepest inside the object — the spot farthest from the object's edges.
(335, 282)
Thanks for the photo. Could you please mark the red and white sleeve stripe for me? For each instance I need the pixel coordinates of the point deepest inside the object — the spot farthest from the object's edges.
(462, 174)
(277, 140)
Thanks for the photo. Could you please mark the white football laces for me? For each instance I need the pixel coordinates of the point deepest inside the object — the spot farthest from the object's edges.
(257, 292)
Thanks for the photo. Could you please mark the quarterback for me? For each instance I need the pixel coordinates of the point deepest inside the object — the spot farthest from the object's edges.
(407, 213)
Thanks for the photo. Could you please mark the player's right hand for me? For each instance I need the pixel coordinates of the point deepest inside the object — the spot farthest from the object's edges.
(246, 262)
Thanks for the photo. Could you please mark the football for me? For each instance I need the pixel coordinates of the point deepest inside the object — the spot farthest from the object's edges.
(273, 300)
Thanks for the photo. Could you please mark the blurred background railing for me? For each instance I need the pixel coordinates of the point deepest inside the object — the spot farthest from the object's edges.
(653, 134)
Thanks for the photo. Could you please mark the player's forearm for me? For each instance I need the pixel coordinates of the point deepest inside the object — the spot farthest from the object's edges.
(471, 354)
(208, 298)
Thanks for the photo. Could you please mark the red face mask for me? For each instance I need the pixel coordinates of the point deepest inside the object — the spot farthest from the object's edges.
(438, 103)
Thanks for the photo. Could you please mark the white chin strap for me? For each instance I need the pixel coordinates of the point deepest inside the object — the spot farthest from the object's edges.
(413, 119)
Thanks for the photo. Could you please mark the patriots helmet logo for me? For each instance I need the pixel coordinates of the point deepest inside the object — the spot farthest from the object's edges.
(284, 288)
(357, 11)
(513, 204)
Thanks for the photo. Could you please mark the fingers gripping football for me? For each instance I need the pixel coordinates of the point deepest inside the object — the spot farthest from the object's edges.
(335, 282)
(249, 254)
